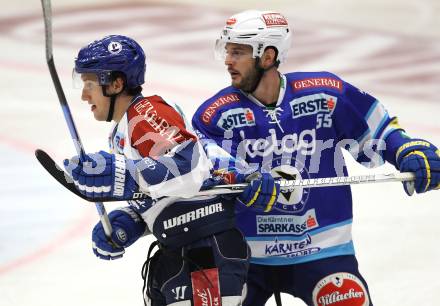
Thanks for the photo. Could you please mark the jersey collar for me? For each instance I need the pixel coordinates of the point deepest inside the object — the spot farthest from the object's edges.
(283, 83)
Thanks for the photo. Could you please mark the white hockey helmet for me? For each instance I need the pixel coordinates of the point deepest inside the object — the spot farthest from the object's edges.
(259, 29)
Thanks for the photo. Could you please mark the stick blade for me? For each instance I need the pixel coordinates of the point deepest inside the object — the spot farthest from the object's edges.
(56, 172)
(63, 178)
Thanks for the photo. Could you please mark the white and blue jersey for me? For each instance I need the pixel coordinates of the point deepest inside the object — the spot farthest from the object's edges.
(171, 166)
(300, 136)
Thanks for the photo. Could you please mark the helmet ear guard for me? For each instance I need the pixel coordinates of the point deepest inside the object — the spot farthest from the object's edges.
(111, 78)
(104, 77)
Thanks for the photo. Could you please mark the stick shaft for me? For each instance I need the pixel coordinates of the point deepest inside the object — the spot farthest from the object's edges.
(47, 13)
(286, 185)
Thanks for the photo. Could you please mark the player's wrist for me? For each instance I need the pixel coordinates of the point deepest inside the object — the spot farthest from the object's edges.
(423, 159)
(413, 145)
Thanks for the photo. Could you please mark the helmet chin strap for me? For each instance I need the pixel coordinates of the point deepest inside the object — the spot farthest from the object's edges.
(260, 73)
(112, 97)
(111, 109)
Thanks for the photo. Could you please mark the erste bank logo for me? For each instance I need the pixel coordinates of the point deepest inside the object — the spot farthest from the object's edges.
(236, 117)
(313, 104)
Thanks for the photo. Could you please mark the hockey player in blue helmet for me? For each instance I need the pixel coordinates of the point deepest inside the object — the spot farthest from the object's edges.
(154, 151)
(303, 246)
(109, 59)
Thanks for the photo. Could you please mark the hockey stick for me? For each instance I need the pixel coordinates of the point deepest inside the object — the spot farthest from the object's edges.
(64, 179)
(290, 185)
(286, 185)
(47, 14)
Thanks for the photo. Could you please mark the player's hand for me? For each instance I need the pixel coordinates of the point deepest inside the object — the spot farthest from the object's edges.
(423, 159)
(220, 177)
(127, 228)
(102, 175)
(262, 191)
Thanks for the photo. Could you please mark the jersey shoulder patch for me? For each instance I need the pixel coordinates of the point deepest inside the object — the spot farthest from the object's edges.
(312, 81)
(212, 106)
(155, 126)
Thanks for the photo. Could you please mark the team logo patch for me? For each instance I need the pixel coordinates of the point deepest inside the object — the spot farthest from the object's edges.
(313, 104)
(120, 142)
(274, 19)
(114, 47)
(210, 111)
(236, 117)
(296, 199)
(340, 289)
(310, 83)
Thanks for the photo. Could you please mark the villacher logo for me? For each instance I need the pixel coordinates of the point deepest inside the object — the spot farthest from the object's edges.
(340, 289)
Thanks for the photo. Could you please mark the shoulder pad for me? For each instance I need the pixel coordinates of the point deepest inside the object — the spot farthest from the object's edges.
(216, 103)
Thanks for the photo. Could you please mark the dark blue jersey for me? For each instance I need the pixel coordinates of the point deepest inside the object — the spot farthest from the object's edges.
(300, 136)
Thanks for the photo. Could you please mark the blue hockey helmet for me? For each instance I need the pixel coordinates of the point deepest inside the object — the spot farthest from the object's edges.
(110, 54)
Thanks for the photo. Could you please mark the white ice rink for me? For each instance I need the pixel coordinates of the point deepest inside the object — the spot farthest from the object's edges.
(387, 48)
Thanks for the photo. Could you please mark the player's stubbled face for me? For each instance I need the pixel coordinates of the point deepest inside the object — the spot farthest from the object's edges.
(241, 66)
(92, 93)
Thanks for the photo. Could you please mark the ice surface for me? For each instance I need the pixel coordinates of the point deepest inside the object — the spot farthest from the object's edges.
(391, 50)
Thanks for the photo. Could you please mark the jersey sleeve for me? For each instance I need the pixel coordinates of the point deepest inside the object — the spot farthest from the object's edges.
(173, 163)
(155, 127)
(219, 149)
(363, 126)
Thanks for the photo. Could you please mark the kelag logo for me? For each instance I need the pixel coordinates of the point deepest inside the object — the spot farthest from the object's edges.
(236, 117)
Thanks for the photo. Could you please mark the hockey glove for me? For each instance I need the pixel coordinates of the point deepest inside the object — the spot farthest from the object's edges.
(423, 159)
(103, 175)
(127, 228)
(261, 193)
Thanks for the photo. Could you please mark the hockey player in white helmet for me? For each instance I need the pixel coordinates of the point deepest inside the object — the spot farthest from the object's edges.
(256, 31)
(294, 126)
